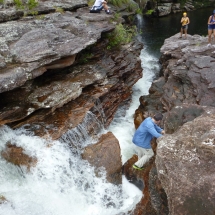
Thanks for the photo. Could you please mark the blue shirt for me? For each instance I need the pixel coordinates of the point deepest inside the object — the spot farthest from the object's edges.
(145, 132)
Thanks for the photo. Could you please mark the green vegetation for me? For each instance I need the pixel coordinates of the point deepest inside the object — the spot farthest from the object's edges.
(121, 35)
(59, 9)
(149, 12)
(26, 6)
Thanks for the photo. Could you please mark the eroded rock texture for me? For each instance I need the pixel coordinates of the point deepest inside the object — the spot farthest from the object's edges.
(185, 162)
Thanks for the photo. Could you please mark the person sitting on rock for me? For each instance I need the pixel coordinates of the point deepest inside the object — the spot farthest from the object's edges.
(211, 26)
(99, 5)
(142, 139)
(184, 24)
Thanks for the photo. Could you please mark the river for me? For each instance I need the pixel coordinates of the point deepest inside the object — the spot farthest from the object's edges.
(62, 183)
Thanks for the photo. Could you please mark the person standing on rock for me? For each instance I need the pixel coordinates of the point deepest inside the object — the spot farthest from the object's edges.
(184, 25)
(211, 26)
(142, 139)
(99, 5)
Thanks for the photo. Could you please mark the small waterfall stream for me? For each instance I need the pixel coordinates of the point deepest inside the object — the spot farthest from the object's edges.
(61, 183)
(123, 124)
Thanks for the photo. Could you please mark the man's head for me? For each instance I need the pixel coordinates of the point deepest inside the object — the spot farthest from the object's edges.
(158, 117)
(184, 14)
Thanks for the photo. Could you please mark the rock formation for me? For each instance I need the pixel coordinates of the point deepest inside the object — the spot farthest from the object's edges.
(57, 74)
(184, 92)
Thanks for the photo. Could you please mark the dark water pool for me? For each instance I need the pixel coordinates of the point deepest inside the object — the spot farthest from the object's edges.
(156, 30)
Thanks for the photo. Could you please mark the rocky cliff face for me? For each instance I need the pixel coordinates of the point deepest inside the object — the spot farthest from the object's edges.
(57, 74)
(185, 94)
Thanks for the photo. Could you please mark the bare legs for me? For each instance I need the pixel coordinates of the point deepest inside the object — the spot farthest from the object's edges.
(105, 6)
(210, 32)
(183, 30)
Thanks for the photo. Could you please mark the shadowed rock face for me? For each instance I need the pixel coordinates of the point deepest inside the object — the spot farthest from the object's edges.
(106, 153)
(185, 163)
(53, 102)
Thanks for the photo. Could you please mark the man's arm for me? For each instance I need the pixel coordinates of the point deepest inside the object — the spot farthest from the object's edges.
(154, 132)
(158, 129)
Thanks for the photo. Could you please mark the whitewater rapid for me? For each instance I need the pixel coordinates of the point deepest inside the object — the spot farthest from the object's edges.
(123, 124)
(61, 183)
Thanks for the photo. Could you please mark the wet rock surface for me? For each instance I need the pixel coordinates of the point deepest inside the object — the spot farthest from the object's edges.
(106, 154)
(17, 156)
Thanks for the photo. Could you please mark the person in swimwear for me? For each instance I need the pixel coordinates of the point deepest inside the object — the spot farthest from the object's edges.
(184, 24)
(211, 26)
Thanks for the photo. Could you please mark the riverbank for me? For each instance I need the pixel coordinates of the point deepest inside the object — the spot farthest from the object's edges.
(184, 94)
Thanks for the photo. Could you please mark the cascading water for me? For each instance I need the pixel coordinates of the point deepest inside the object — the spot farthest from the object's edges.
(61, 183)
(123, 124)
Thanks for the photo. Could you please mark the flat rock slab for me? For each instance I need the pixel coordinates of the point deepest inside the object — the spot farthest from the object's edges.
(31, 46)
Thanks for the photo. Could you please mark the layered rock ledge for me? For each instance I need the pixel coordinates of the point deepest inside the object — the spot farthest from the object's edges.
(57, 76)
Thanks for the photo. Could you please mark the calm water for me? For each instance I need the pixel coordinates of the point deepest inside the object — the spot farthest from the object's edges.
(156, 30)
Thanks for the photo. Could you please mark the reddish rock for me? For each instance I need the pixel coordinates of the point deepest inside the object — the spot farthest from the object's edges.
(106, 153)
(3, 200)
(16, 156)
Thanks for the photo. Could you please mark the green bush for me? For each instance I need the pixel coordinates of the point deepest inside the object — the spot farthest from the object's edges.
(121, 35)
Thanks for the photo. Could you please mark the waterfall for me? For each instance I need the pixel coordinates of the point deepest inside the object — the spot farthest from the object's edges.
(61, 183)
(124, 134)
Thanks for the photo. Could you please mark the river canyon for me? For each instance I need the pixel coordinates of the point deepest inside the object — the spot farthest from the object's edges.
(67, 116)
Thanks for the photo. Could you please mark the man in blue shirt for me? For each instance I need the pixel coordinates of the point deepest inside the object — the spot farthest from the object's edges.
(142, 139)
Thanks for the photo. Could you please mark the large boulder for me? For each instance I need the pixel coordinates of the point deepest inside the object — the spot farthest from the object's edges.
(106, 153)
(185, 161)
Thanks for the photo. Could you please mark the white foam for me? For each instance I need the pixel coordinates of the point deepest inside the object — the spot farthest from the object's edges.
(123, 126)
(60, 184)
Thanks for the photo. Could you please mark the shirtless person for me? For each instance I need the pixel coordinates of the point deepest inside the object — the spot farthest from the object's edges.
(184, 24)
